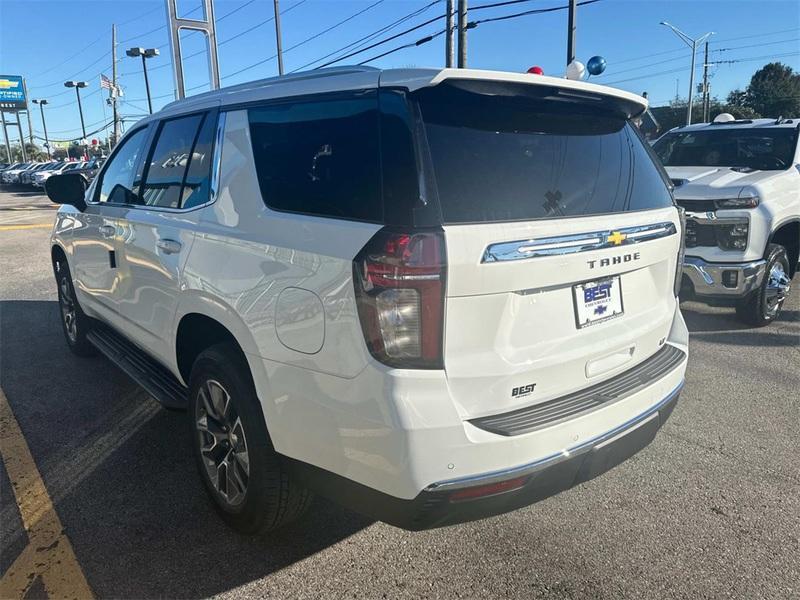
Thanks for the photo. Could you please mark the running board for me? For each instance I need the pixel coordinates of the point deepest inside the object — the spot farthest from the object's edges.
(154, 378)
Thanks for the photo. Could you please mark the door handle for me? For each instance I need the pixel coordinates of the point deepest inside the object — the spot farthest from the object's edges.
(169, 246)
(107, 231)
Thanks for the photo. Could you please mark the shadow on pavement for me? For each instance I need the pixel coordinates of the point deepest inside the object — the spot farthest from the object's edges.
(121, 474)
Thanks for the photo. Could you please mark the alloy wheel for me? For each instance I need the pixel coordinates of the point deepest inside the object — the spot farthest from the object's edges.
(778, 285)
(68, 311)
(223, 445)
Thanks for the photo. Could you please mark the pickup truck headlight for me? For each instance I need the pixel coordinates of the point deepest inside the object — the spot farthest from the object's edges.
(733, 236)
(746, 202)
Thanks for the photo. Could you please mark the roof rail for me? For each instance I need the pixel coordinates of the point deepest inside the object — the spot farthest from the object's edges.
(278, 79)
(734, 122)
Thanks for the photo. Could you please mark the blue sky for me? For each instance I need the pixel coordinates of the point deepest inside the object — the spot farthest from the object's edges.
(50, 41)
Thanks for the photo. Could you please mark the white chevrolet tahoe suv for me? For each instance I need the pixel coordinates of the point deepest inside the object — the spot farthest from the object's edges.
(739, 182)
(430, 295)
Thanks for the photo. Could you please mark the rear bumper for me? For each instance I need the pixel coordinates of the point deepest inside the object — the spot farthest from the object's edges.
(723, 280)
(443, 503)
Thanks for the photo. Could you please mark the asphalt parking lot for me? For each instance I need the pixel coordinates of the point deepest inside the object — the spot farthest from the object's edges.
(711, 509)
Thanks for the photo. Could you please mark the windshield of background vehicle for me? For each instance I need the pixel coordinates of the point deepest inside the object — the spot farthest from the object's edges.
(763, 149)
(509, 158)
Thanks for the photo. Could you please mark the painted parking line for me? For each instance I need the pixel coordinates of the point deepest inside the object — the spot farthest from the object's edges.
(26, 226)
(49, 553)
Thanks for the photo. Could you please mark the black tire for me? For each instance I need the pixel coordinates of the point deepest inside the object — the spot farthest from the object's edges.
(271, 498)
(74, 322)
(763, 305)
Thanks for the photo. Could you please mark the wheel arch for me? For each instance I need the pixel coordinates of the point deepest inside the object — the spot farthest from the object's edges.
(787, 234)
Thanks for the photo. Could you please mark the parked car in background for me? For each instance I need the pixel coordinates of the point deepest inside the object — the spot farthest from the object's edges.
(26, 177)
(391, 287)
(41, 177)
(739, 182)
(89, 169)
(9, 175)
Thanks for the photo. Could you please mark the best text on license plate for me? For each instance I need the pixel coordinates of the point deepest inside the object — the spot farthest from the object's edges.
(597, 301)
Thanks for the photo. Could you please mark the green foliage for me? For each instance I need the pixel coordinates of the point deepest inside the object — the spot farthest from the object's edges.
(774, 91)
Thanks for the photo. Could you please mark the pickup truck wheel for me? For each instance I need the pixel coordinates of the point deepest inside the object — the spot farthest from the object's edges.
(75, 323)
(246, 479)
(763, 305)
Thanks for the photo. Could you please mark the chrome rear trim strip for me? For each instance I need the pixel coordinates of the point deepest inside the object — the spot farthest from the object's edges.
(581, 242)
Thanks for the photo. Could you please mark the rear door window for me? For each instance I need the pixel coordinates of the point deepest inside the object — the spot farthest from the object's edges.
(503, 158)
(320, 157)
(169, 160)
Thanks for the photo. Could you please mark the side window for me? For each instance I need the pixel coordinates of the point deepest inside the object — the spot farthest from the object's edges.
(197, 185)
(117, 183)
(320, 157)
(168, 162)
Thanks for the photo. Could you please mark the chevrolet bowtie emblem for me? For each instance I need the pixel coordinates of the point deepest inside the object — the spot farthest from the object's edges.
(616, 238)
(6, 84)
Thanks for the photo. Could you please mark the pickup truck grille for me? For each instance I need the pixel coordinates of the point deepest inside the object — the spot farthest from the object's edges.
(700, 234)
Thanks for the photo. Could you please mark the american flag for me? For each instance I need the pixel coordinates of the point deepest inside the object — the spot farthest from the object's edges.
(106, 83)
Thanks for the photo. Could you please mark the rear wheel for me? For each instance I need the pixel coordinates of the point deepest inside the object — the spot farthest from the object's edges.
(763, 305)
(246, 479)
(74, 322)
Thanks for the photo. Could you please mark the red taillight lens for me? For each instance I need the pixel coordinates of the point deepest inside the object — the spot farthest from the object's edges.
(491, 489)
(399, 281)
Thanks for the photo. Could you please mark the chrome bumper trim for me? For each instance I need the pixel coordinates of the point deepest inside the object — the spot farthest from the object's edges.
(567, 453)
(707, 277)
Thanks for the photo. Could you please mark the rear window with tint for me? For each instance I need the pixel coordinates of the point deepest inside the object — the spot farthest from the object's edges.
(320, 157)
(499, 158)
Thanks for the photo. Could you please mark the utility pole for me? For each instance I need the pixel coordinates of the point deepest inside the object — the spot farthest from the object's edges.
(278, 37)
(462, 34)
(706, 96)
(115, 90)
(449, 51)
(573, 5)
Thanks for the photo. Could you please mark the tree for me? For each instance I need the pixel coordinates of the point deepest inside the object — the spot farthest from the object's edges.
(774, 91)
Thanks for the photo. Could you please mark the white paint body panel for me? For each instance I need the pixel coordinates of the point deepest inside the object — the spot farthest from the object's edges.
(326, 401)
(778, 190)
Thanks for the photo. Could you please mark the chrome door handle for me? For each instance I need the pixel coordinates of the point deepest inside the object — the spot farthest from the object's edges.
(169, 246)
(107, 231)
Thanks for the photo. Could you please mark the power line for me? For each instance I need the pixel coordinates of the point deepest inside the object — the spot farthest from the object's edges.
(369, 37)
(470, 25)
(683, 69)
(222, 42)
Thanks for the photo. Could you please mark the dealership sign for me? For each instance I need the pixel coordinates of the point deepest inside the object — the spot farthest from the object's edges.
(12, 93)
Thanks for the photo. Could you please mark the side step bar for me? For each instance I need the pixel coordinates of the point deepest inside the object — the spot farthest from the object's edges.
(154, 378)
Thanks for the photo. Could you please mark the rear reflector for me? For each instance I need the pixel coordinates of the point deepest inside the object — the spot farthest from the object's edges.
(491, 489)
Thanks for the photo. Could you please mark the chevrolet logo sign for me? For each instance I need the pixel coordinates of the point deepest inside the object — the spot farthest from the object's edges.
(7, 83)
(616, 238)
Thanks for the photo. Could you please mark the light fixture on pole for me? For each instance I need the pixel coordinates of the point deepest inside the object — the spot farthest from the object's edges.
(692, 43)
(145, 53)
(41, 104)
(78, 85)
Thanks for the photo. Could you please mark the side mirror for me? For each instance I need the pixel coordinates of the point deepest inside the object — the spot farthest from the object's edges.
(67, 189)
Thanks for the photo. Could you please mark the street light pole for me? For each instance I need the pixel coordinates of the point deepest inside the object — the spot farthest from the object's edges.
(145, 53)
(692, 43)
(78, 85)
(278, 42)
(41, 104)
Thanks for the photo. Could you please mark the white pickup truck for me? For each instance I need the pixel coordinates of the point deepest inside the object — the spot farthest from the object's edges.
(739, 182)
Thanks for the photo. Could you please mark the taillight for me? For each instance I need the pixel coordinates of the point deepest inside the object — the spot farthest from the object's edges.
(681, 252)
(399, 282)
